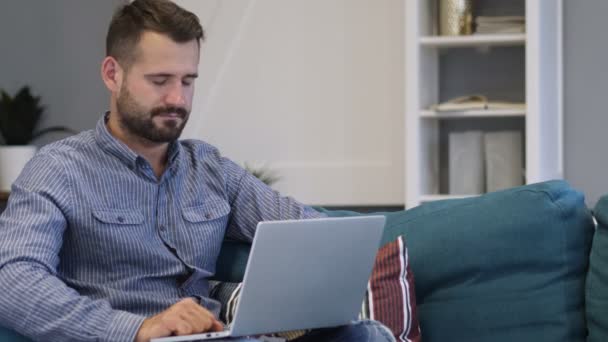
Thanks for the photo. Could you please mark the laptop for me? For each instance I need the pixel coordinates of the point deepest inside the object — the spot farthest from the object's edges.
(303, 274)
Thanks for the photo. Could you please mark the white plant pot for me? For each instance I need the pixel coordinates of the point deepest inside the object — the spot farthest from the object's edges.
(12, 161)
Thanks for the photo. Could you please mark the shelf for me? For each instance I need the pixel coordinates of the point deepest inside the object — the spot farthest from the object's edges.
(431, 198)
(483, 113)
(524, 67)
(474, 40)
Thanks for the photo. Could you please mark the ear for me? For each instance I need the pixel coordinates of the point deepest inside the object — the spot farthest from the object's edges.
(111, 74)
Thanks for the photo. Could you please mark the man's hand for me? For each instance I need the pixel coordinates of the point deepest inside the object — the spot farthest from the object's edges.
(182, 318)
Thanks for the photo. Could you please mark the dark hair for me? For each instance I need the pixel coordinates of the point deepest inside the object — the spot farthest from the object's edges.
(161, 16)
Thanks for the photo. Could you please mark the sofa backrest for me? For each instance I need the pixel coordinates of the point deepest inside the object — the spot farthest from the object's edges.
(506, 266)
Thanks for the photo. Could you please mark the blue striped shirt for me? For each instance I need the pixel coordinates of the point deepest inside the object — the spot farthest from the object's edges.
(92, 242)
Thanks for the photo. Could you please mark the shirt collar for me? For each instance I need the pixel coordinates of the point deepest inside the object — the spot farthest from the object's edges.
(173, 151)
(117, 148)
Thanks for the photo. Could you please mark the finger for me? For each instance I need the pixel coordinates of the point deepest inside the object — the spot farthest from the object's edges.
(169, 323)
(154, 327)
(192, 307)
(174, 321)
(201, 318)
(183, 328)
(217, 326)
(200, 310)
(200, 323)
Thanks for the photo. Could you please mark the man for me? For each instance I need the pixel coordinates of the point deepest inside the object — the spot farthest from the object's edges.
(112, 234)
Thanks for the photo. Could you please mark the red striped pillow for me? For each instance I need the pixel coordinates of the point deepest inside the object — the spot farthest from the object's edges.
(391, 297)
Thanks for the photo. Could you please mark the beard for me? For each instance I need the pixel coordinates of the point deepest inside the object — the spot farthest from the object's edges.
(138, 120)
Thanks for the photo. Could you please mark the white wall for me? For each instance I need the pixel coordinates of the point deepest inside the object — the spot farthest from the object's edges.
(313, 88)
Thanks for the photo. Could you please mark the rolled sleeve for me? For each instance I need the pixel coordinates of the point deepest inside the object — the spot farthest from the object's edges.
(123, 327)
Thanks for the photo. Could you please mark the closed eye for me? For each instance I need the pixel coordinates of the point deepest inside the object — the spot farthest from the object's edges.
(188, 81)
(159, 81)
(163, 79)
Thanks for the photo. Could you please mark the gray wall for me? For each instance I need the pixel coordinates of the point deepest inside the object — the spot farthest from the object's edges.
(586, 96)
(56, 47)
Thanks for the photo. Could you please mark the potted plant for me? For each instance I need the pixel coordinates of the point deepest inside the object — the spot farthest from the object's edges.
(19, 118)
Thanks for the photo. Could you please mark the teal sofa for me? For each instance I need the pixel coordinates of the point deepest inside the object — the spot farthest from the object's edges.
(507, 266)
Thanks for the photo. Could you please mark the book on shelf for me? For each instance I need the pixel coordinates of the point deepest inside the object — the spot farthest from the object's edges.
(476, 102)
(500, 24)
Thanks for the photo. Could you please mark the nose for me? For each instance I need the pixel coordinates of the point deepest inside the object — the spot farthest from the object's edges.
(176, 95)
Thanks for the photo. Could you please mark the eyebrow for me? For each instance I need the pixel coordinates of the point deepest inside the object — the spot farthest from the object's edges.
(194, 75)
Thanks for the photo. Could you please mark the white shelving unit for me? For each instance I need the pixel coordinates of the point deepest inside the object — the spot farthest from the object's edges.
(473, 40)
(430, 114)
(541, 121)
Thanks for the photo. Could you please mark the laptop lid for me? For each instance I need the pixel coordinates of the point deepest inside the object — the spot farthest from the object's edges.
(306, 274)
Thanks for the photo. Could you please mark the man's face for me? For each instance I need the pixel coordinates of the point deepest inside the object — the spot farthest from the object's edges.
(155, 96)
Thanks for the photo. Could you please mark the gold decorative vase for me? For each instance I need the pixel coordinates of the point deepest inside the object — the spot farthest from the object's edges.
(455, 17)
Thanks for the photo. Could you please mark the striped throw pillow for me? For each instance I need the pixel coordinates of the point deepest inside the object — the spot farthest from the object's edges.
(391, 297)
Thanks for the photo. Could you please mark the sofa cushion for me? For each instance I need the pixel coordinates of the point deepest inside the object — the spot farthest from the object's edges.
(505, 266)
(597, 277)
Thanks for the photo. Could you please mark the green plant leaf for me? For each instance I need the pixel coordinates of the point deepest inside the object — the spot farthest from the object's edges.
(19, 118)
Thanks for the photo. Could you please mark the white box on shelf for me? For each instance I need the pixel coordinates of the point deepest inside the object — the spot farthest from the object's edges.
(466, 166)
(504, 160)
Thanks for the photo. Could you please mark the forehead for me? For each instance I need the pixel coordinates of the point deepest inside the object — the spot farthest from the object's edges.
(159, 53)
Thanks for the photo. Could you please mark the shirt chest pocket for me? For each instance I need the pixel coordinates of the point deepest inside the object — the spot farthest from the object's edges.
(204, 228)
(118, 217)
(208, 212)
(203, 231)
(115, 232)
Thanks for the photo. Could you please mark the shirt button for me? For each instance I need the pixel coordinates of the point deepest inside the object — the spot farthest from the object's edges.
(207, 216)
(120, 219)
(162, 227)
